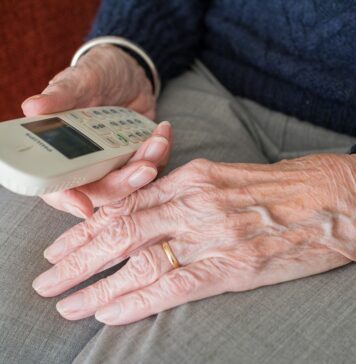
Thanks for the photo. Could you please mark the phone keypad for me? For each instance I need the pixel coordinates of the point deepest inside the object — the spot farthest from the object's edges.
(116, 127)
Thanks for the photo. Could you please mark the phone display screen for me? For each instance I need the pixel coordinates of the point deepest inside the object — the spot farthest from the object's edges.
(63, 137)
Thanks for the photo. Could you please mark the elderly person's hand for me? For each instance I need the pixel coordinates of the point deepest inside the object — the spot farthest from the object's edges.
(106, 75)
(232, 227)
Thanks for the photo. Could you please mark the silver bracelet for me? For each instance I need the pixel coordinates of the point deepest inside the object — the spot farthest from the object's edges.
(126, 44)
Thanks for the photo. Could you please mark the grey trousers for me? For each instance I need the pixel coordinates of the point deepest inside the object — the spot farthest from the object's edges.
(311, 320)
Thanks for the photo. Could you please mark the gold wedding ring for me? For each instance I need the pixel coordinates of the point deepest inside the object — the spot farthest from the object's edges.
(171, 257)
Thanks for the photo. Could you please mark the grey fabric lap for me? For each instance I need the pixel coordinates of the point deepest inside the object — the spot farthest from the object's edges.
(309, 320)
(30, 329)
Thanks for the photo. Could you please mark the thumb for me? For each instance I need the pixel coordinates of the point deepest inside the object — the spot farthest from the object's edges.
(62, 93)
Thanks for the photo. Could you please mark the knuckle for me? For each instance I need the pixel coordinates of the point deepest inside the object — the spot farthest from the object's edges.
(104, 213)
(107, 239)
(128, 227)
(199, 163)
(175, 211)
(101, 292)
(202, 203)
(62, 75)
(197, 166)
(141, 301)
(160, 186)
(84, 231)
(74, 266)
(213, 198)
(142, 267)
(126, 206)
(218, 270)
(124, 230)
(246, 192)
(179, 283)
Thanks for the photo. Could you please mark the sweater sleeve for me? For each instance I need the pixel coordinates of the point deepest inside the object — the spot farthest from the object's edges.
(169, 31)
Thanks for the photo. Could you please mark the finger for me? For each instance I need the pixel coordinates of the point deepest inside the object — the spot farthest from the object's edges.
(166, 157)
(153, 195)
(76, 237)
(252, 211)
(119, 239)
(64, 93)
(164, 129)
(72, 201)
(116, 185)
(176, 245)
(141, 270)
(113, 187)
(190, 283)
(120, 183)
(153, 151)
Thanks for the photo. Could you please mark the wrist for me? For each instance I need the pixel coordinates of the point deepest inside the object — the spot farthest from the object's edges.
(131, 49)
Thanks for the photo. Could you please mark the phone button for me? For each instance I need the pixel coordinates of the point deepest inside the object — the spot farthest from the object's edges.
(98, 126)
(113, 125)
(111, 141)
(146, 132)
(124, 124)
(97, 113)
(138, 122)
(140, 135)
(74, 117)
(133, 138)
(86, 115)
(122, 139)
(131, 123)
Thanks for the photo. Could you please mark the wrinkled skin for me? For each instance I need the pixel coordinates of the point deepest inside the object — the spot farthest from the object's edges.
(233, 227)
(105, 75)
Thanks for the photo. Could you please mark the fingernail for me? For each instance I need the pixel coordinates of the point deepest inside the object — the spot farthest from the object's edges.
(155, 148)
(163, 125)
(45, 280)
(163, 128)
(54, 251)
(71, 304)
(142, 176)
(35, 97)
(74, 210)
(109, 314)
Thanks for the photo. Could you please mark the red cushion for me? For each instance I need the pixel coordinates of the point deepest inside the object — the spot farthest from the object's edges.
(38, 39)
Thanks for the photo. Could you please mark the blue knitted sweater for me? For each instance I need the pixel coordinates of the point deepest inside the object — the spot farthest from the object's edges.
(298, 57)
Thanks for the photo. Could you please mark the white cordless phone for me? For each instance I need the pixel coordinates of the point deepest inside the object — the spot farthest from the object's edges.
(50, 153)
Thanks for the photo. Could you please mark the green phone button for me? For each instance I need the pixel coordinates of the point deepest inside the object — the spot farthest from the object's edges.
(122, 139)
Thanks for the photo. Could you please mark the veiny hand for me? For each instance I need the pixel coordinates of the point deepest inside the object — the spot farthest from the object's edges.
(233, 227)
(105, 75)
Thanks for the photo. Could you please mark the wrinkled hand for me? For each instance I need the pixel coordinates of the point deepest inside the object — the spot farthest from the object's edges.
(233, 227)
(105, 75)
